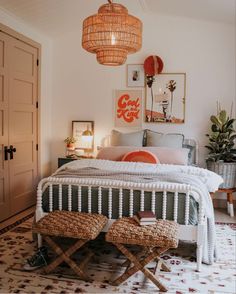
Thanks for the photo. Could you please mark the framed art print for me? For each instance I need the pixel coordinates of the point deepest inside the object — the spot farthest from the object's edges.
(128, 108)
(135, 75)
(165, 98)
(83, 132)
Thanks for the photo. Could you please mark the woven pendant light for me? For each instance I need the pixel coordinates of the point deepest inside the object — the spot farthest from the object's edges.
(112, 34)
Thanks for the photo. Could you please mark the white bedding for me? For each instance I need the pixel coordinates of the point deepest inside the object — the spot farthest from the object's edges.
(210, 179)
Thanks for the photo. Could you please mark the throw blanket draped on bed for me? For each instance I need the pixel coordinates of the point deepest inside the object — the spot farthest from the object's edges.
(202, 179)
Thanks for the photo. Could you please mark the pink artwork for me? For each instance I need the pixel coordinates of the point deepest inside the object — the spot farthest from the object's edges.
(165, 98)
(128, 108)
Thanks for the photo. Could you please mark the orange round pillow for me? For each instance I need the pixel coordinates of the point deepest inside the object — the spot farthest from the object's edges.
(140, 156)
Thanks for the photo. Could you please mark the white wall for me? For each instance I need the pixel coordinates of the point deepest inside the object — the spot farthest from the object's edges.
(83, 89)
(46, 83)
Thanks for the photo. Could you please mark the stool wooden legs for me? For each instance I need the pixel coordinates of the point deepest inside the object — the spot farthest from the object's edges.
(230, 205)
(140, 265)
(40, 240)
(161, 264)
(65, 256)
(158, 260)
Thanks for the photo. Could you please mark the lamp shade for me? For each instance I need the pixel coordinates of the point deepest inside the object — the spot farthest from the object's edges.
(112, 34)
(87, 139)
(87, 133)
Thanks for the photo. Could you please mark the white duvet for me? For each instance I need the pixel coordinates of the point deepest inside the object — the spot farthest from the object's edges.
(208, 178)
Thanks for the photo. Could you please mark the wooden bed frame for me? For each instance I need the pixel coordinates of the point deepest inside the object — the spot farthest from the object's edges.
(186, 232)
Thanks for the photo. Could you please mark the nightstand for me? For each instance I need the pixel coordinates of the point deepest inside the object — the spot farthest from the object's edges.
(230, 205)
(64, 160)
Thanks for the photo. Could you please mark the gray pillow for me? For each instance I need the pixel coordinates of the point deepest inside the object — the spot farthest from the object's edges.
(164, 140)
(127, 139)
(191, 154)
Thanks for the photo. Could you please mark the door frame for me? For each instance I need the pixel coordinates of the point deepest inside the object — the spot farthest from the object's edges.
(8, 31)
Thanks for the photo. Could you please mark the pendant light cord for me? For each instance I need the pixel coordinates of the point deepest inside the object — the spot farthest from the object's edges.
(111, 5)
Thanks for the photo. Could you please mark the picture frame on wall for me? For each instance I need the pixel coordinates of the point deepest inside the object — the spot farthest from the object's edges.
(165, 99)
(135, 75)
(128, 108)
(83, 132)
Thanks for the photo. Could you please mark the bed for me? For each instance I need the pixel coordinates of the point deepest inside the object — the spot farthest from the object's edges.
(116, 189)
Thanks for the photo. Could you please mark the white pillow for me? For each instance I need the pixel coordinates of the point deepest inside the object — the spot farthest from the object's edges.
(164, 154)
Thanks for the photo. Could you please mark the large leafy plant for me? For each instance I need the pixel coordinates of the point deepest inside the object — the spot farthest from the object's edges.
(221, 138)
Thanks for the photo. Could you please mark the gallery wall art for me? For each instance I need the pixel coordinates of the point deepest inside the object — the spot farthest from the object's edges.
(165, 98)
(83, 132)
(135, 75)
(128, 108)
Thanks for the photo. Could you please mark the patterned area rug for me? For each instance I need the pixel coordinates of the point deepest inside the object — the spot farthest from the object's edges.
(17, 245)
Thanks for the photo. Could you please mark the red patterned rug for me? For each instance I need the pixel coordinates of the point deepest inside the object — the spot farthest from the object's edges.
(17, 245)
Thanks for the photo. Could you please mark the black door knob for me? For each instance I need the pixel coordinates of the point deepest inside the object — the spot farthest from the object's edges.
(10, 150)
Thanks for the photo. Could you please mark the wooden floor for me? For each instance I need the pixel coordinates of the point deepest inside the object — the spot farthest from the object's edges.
(17, 217)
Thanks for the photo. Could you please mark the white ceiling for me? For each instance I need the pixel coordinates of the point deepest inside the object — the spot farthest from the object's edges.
(215, 10)
(55, 17)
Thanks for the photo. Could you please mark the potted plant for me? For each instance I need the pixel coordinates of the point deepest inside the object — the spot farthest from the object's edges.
(70, 143)
(222, 154)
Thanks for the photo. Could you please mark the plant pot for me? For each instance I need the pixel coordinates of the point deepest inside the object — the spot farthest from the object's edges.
(70, 146)
(227, 170)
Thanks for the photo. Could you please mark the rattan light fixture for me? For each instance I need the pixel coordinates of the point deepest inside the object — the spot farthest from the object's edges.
(112, 34)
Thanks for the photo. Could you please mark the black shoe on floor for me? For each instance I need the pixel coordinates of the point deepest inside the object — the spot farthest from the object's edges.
(39, 259)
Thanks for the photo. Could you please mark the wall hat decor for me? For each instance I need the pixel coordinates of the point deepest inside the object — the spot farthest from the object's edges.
(153, 65)
(112, 34)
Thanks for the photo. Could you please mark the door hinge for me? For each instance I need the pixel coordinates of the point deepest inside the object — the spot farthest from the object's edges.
(37, 147)
(37, 62)
(37, 104)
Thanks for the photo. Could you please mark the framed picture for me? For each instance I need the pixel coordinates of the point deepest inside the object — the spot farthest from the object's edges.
(135, 75)
(83, 132)
(165, 98)
(128, 108)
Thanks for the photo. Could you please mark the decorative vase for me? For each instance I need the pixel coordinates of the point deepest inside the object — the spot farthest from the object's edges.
(70, 146)
(227, 170)
(70, 149)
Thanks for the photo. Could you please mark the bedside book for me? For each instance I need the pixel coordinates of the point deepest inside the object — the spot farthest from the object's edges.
(144, 223)
(144, 218)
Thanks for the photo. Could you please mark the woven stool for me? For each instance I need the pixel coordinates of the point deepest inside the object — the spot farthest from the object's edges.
(153, 239)
(77, 225)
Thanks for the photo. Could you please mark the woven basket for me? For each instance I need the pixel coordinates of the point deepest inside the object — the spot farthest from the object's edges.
(227, 170)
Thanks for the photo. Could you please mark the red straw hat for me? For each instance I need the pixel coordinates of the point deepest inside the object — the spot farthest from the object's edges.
(153, 65)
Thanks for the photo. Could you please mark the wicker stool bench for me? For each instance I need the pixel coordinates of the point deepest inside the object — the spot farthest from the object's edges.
(153, 239)
(77, 225)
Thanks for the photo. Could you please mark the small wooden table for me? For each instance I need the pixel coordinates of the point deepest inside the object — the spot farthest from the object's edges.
(230, 204)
